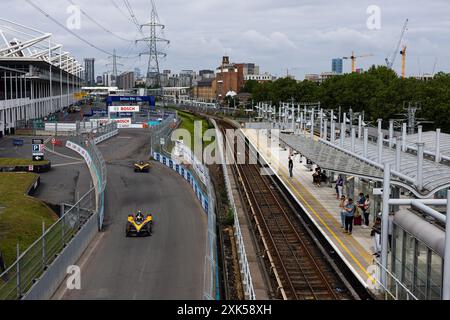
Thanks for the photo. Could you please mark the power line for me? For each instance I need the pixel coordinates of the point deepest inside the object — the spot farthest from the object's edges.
(98, 24)
(70, 31)
(65, 28)
(133, 16)
(121, 11)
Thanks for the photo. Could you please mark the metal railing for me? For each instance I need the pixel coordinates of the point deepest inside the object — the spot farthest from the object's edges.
(211, 289)
(162, 131)
(29, 266)
(395, 289)
(211, 284)
(245, 269)
(98, 166)
(20, 276)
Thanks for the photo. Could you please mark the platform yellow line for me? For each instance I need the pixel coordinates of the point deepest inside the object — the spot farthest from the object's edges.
(329, 229)
(360, 250)
(320, 219)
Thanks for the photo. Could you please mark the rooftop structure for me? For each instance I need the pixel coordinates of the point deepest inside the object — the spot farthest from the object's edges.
(29, 63)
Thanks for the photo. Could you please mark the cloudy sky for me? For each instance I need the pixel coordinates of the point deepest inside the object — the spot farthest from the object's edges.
(300, 35)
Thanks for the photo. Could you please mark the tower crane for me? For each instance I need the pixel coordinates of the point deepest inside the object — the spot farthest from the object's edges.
(353, 58)
(403, 53)
(391, 60)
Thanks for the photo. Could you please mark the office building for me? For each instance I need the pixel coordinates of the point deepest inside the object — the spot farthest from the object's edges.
(89, 72)
(337, 65)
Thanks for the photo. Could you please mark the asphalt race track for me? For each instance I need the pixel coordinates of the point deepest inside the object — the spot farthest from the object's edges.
(168, 265)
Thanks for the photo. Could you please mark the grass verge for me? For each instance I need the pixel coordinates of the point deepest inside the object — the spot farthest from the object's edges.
(10, 162)
(188, 122)
(21, 216)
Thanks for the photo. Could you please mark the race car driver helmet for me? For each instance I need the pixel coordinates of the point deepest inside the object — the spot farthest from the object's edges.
(139, 216)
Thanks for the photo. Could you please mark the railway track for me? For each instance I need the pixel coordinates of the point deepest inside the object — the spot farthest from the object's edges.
(300, 269)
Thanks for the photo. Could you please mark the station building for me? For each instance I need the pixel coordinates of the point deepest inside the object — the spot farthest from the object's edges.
(37, 77)
(414, 262)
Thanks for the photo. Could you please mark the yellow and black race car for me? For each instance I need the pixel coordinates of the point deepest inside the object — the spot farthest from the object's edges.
(142, 166)
(138, 225)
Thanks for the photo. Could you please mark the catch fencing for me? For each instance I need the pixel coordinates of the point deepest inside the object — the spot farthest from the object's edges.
(160, 133)
(86, 146)
(30, 265)
(200, 181)
(211, 276)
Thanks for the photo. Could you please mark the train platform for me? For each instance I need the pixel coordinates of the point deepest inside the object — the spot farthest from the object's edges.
(321, 205)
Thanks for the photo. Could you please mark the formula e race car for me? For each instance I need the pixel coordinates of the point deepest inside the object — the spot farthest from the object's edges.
(142, 166)
(138, 225)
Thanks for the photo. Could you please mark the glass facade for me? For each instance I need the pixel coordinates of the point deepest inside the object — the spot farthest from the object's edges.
(418, 267)
(337, 65)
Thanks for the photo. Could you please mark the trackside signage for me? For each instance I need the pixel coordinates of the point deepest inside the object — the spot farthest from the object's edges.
(122, 123)
(81, 151)
(124, 109)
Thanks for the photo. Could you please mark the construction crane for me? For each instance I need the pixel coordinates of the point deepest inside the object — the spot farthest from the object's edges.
(391, 60)
(353, 58)
(403, 53)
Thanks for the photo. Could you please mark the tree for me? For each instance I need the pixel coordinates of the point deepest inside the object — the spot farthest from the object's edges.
(379, 92)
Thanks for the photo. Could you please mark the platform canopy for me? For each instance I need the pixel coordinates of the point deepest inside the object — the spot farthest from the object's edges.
(430, 139)
(329, 158)
(436, 176)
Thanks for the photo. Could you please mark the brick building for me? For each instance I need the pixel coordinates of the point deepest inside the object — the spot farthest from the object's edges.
(205, 90)
(229, 77)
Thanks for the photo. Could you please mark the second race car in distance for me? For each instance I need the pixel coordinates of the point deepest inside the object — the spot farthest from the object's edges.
(142, 166)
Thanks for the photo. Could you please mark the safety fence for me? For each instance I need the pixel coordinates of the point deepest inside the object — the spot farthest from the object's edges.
(159, 134)
(36, 261)
(211, 289)
(242, 255)
(198, 177)
(29, 266)
(95, 162)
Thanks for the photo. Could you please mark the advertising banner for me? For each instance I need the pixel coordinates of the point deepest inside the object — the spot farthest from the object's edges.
(122, 123)
(124, 109)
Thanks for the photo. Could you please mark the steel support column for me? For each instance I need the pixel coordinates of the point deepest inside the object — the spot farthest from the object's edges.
(385, 223)
(446, 275)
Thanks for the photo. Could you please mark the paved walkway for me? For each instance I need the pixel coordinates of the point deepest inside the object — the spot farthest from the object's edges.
(321, 205)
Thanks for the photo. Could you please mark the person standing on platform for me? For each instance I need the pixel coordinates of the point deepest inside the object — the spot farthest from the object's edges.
(291, 167)
(360, 210)
(340, 186)
(376, 235)
(349, 216)
(318, 176)
(366, 211)
(342, 204)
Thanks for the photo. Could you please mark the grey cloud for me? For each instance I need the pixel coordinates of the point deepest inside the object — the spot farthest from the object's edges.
(277, 34)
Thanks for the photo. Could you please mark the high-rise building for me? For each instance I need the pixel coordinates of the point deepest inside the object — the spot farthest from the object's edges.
(107, 79)
(337, 65)
(89, 72)
(126, 80)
